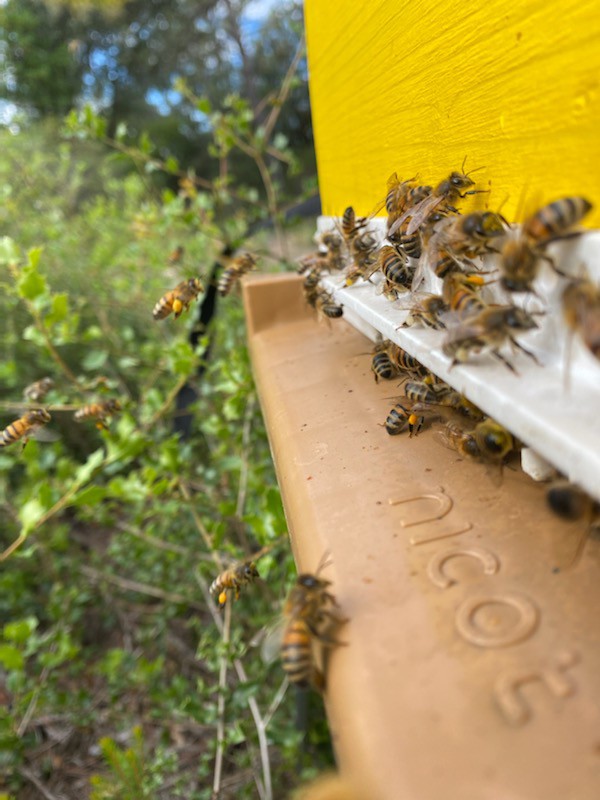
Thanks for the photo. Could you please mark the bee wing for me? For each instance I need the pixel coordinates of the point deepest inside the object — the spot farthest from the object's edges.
(269, 640)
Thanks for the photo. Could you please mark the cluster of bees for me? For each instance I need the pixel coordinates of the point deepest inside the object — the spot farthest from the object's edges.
(427, 238)
(175, 302)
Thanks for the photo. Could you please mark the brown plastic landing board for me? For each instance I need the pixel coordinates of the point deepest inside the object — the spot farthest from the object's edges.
(472, 665)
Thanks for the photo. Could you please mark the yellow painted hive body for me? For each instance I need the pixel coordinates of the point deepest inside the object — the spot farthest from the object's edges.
(414, 87)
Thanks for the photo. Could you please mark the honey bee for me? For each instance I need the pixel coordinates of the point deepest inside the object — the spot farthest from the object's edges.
(99, 411)
(402, 417)
(326, 305)
(178, 299)
(581, 312)
(460, 293)
(456, 185)
(393, 264)
(494, 441)
(351, 224)
(232, 580)
(234, 271)
(399, 199)
(23, 427)
(488, 331)
(438, 393)
(428, 310)
(382, 365)
(521, 254)
(465, 444)
(310, 610)
(570, 502)
(36, 392)
(176, 255)
(405, 362)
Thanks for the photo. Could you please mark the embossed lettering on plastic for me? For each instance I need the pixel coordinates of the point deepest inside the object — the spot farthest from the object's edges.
(435, 568)
(513, 706)
(445, 505)
(494, 632)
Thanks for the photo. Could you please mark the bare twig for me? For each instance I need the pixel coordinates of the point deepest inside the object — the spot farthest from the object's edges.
(275, 702)
(246, 430)
(200, 525)
(142, 588)
(154, 541)
(32, 778)
(32, 703)
(284, 91)
(265, 791)
(221, 704)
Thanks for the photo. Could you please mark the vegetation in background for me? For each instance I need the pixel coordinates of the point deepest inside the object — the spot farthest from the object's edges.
(120, 676)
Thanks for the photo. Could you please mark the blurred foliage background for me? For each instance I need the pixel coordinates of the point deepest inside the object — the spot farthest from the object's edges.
(130, 129)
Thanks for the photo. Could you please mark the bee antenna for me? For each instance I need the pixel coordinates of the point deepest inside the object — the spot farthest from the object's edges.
(471, 171)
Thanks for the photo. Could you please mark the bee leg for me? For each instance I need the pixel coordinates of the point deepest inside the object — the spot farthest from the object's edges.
(505, 361)
(523, 350)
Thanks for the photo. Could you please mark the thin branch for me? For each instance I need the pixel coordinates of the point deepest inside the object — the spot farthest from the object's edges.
(154, 541)
(221, 703)
(246, 430)
(32, 778)
(200, 525)
(266, 791)
(170, 398)
(142, 588)
(33, 702)
(276, 702)
(284, 91)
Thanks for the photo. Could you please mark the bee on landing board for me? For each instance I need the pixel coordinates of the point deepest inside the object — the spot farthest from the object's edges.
(487, 332)
(24, 427)
(455, 186)
(234, 271)
(232, 580)
(99, 412)
(309, 612)
(178, 299)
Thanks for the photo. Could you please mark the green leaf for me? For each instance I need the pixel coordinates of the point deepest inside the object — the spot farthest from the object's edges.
(30, 513)
(10, 657)
(9, 252)
(171, 164)
(203, 105)
(20, 631)
(85, 471)
(94, 359)
(90, 496)
(31, 284)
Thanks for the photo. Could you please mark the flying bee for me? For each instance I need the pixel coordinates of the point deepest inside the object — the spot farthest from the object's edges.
(24, 427)
(178, 299)
(581, 312)
(460, 293)
(233, 272)
(428, 310)
(232, 580)
(402, 417)
(36, 392)
(309, 612)
(488, 331)
(455, 186)
(522, 253)
(176, 255)
(99, 411)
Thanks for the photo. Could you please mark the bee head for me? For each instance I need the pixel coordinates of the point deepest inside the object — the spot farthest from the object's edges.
(308, 581)
(250, 571)
(518, 318)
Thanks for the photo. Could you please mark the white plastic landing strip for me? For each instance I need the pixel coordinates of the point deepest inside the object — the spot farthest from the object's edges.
(553, 408)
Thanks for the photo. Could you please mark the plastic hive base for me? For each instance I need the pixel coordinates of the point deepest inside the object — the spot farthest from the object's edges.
(472, 665)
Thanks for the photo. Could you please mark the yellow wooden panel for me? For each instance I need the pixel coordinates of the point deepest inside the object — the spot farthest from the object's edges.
(414, 87)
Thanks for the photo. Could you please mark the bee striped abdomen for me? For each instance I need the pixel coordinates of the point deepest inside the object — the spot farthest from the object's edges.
(382, 367)
(297, 656)
(556, 218)
(12, 433)
(23, 426)
(164, 306)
